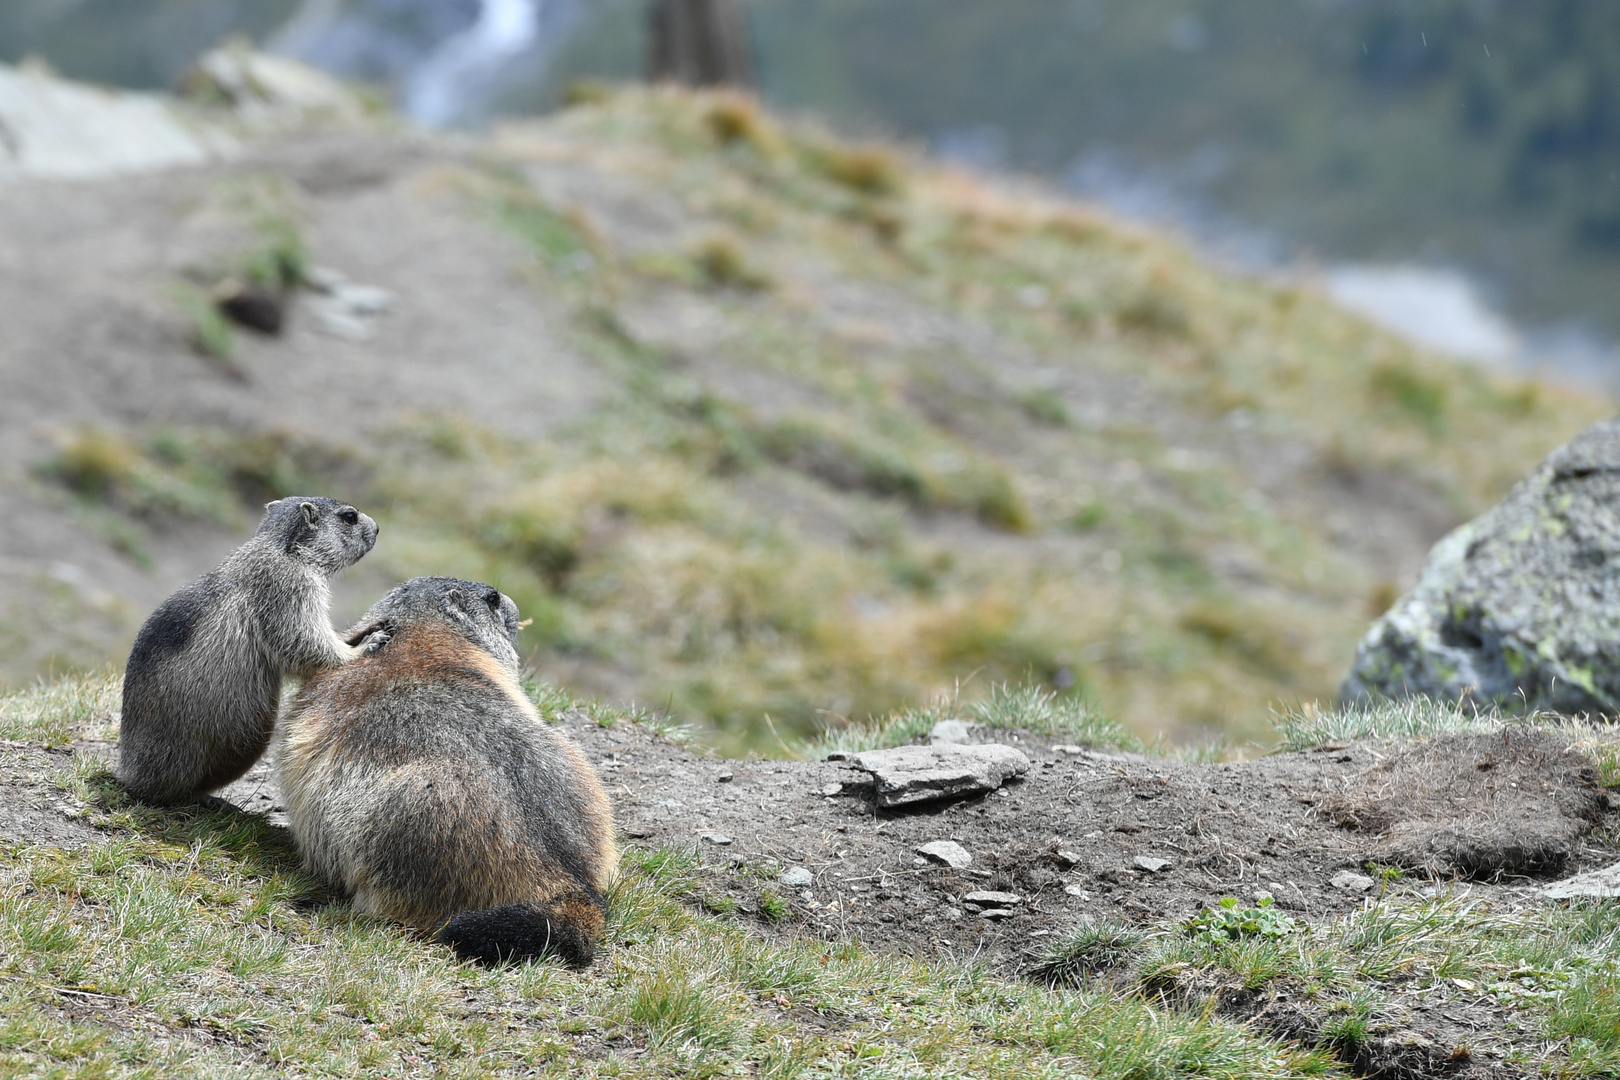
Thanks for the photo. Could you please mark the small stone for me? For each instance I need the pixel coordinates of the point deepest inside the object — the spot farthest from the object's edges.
(255, 307)
(951, 733)
(724, 778)
(830, 790)
(948, 852)
(1067, 859)
(1077, 891)
(797, 878)
(996, 913)
(1149, 863)
(720, 839)
(992, 898)
(1068, 748)
(1350, 881)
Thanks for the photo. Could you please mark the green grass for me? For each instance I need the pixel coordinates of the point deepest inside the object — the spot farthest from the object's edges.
(111, 957)
(1556, 965)
(1305, 728)
(1023, 707)
(54, 713)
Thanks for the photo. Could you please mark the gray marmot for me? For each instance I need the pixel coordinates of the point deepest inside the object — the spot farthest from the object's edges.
(422, 780)
(203, 682)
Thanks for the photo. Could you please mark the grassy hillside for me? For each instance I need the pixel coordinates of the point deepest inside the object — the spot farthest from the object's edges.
(879, 433)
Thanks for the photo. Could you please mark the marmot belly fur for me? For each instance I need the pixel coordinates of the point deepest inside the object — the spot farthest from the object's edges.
(203, 682)
(422, 780)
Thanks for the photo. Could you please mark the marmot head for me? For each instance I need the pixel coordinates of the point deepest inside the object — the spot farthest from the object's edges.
(480, 613)
(323, 532)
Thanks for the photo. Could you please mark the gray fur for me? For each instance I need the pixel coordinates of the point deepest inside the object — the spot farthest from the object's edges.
(422, 780)
(203, 681)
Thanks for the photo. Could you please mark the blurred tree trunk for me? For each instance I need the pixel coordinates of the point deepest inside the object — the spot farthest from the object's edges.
(699, 43)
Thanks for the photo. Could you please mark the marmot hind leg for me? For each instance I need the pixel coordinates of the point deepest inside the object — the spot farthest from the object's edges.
(566, 928)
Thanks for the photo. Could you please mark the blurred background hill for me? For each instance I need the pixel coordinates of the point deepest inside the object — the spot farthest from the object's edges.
(1473, 135)
(771, 427)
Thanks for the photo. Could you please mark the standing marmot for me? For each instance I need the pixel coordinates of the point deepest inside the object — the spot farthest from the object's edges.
(421, 779)
(204, 679)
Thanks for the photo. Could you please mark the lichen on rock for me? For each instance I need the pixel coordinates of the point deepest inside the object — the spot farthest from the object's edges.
(1521, 606)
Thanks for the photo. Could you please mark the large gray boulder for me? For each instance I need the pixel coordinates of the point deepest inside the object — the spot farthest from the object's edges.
(1521, 606)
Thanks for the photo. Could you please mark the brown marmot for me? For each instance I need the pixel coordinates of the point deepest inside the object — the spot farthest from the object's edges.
(203, 682)
(422, 780)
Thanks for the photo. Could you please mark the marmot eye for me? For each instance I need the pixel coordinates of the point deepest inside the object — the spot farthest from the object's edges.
(350, 517)
(493, 599)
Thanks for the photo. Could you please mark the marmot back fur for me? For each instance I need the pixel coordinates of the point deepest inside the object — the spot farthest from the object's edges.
(422, 780)
(203, 682)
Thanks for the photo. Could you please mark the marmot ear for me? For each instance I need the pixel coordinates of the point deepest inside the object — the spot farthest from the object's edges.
(271, 505)
(312, 513)
(455, 602)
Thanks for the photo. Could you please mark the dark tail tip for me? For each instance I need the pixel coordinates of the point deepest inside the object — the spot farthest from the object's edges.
(517, 933)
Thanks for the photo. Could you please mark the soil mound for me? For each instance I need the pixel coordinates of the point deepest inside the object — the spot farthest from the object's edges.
(1481, 807)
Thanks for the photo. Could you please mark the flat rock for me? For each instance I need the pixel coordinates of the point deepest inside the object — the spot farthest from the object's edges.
(1067, 859)
(996, 913)
(720, 839)
(1350, 881)
(1149, 863)
(916, 774)
(797, 877)
(992, 898)
(948, 852)
(1604, 882)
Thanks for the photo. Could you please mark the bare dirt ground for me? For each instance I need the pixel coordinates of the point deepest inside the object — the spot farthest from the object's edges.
(1084, 835)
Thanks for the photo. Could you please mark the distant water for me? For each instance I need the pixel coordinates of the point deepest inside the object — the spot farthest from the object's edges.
(447, 60)
(438, 91)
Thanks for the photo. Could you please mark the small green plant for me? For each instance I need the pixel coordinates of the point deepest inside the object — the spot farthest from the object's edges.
(720, 904)
(1420, 397)
(1153, 313)
(1092, 946)
(210, 333)
(868, 170)
(1047, 406)
(772, 905)
(1226, 922)
(681, 1011)
(1090, 516)
(735, 118)
(723, 264)
(278, 260)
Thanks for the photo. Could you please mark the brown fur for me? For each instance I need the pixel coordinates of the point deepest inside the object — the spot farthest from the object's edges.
(422, 779)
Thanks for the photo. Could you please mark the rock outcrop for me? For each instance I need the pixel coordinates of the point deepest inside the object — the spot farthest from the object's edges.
(1520, 606)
